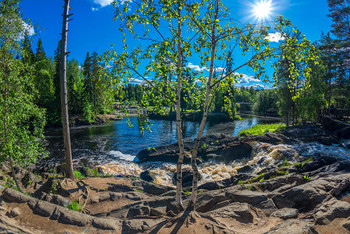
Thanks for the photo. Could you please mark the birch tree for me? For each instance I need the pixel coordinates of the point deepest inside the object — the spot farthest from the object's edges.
(201, 29)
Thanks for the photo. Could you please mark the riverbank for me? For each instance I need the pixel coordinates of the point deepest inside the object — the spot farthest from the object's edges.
(195, 116)
(281, 182)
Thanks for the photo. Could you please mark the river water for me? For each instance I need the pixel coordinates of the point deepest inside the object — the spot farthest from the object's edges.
(113, 146)
(118, 140)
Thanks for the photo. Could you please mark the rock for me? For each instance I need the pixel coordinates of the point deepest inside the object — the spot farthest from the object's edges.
(239, 211)
(248, 196)
(139, 225)
(12, 195)
(59, 200)
(105, 224)
(29, 179)
(74, 218)
(346, 225)
(268, 207)
(286, 213)
(115, 196)
(20, 172)
(331, 210)
(220, 184)
(44, 209)
(104, 197)
(245, 169)
(187, 177)
(120, 188)
(147, 176)
(133, 196)
(293, 226)
(15, 212)
(206, 201)
(154, 189)
(172, 209)
(138, 211)
(305, 196)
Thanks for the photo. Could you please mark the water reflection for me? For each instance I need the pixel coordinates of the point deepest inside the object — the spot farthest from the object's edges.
(109, 138)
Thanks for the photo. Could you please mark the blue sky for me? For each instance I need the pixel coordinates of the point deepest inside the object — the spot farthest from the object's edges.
(94, 29)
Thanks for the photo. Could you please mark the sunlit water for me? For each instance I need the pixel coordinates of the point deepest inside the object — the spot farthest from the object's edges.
(113, 146)
(117, 140)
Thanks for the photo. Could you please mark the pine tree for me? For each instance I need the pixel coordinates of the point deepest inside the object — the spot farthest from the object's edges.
(339, 11)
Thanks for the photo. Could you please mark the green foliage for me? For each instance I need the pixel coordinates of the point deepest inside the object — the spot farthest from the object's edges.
(262, 129)
(139, 190)
(88, 114)
(307, 177)
(307, 160)
(266, 103)
(76, 206)
(54, 187)
(78, 175)
(282, 172)
(22, 121)
(285, 164)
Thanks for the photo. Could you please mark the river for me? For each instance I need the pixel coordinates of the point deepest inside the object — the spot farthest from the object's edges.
(118, 140)
(113, 146)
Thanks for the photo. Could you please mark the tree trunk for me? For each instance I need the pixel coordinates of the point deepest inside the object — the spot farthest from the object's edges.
(192, 203)
(64, 102)
(178, 199)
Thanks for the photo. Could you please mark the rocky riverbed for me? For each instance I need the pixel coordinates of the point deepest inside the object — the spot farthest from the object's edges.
(296, 181)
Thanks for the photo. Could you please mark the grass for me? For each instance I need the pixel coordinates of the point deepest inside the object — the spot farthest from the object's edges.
(139, 190)
(260, 129)
(78, 175)
(307, 160)
(75, 206)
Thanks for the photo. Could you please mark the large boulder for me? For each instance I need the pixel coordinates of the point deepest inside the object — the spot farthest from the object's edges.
(331, 210)
(223, 147)
(239, 211)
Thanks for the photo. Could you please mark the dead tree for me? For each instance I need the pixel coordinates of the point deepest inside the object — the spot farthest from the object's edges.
(64, 101)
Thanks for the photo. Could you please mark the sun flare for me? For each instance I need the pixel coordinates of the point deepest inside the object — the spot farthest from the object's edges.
(262, 10)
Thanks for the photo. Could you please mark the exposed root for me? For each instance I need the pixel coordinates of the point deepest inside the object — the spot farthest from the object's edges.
(190, 222)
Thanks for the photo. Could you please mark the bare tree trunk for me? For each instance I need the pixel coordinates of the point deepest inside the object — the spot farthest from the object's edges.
(64, 102)
(192, 203)
(178, 199)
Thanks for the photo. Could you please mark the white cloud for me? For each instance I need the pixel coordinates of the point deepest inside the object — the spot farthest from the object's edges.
(103, 3)
(219, 69)
(245, 79)
(248, 81)
(124, 1)
(258, 86)
(29, 29)
(196, 67)
(136, 81)
(275, 37)
(199, 69)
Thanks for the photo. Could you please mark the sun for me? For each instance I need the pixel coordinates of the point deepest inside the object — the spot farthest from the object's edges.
(263, 9)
